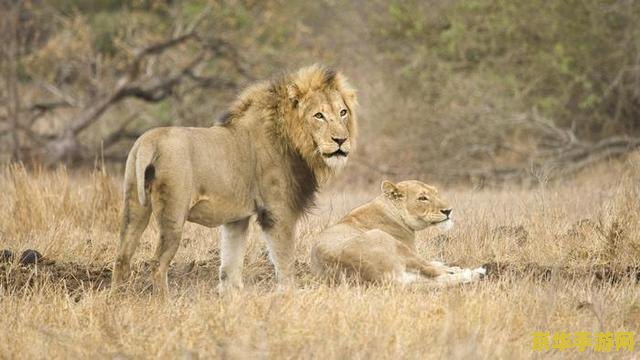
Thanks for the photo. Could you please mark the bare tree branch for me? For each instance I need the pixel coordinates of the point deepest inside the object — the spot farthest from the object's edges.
(48, 106)
(121, 132)
(562, 152)
(153, 90)
(149, 89)
(156, 49)
(140, 80)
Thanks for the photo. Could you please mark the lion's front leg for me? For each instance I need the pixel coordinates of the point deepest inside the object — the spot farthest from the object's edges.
(463, 276)
(412, 261)
(232, 246)
(424, 267)
(444, 267)
(281, 245)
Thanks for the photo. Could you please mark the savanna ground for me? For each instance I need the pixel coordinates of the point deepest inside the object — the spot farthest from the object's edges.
(566, 255)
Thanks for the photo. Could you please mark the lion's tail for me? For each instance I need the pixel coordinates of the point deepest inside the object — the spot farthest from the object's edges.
(145, 171)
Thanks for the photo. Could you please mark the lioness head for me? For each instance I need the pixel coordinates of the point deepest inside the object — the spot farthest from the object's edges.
(418, 204)
(323, 127)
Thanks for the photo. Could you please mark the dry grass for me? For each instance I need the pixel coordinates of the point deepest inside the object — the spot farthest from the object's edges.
(549, 253)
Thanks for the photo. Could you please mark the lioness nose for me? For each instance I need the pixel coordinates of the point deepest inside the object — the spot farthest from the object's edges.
(339, 141)
(446, 211)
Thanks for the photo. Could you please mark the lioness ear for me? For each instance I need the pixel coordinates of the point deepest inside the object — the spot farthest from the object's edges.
(390, 190)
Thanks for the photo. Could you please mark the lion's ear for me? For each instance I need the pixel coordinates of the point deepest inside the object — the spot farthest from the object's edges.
(293, 92)
(348, 93)
(350, 96)
(390, 190)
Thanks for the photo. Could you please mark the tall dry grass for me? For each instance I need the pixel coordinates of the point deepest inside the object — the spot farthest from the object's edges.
(62, 310)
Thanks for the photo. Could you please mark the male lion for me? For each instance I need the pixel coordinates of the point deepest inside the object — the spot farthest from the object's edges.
(279, 141)
(376, 241)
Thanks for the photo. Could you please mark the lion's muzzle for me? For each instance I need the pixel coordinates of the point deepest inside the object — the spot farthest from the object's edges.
(337, 153)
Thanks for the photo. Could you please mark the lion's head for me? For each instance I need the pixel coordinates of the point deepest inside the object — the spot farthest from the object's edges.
(320, 116)
(418, 204)
(311, 112)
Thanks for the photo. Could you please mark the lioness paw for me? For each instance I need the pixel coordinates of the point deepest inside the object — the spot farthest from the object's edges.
(471, 275)
(480, 270)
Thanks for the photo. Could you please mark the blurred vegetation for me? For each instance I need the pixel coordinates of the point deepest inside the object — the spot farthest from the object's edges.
(448, 88)
(574, 61)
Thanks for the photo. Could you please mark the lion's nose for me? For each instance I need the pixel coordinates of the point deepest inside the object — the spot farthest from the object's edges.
(446, 211)
(339, 141)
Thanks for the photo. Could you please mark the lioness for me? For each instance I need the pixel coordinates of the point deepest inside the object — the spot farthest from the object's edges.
(376, 241)
(278, 142)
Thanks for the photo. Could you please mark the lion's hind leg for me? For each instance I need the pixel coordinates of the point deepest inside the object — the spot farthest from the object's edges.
(170, 212)
(135, 218)
(373, 258)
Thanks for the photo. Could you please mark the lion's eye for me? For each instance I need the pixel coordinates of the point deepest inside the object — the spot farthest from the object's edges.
(343, 112)
(318, 116)
(423, 198)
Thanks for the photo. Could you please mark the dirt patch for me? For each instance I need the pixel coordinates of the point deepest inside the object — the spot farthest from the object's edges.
(74, 278)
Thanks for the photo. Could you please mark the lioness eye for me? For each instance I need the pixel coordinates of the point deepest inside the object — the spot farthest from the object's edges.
(318, 116)
(423, 198)
(343, 112)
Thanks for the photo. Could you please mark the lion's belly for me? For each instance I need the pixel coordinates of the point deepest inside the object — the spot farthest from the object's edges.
(223, 189)
(217, 212)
